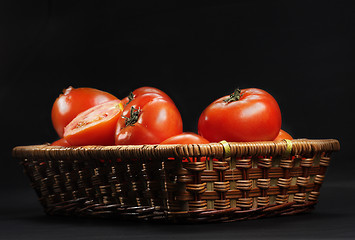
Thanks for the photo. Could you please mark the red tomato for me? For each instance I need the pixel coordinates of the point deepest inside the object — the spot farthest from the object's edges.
(74, 101)
(61, 142)
(246, 115)
(185, 138)
(95, 126)
(283, 135)
(143, 90)
(148, 119)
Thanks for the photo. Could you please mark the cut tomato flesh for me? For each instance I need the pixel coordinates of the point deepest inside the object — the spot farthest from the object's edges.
(95, 126)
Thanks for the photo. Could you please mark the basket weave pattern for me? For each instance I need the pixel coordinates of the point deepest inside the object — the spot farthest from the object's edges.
(189, 183)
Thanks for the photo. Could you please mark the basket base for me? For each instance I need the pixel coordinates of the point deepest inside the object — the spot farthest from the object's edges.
(83, 207)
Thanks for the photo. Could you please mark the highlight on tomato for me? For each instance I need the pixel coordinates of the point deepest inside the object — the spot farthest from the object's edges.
(149, 118)
(74, 101)
(95, 126)
(246, 115)
(144, 90)
(283, 135)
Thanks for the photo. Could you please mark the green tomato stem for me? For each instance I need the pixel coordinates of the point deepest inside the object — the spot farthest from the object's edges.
(134, 115)
(235, 96)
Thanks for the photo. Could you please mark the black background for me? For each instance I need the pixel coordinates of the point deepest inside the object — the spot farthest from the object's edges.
(302, 52)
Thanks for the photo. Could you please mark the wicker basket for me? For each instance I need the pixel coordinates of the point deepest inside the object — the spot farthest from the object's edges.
(181, 183)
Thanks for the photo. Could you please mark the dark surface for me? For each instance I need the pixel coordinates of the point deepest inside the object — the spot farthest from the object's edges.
(333, 218)
(302, 52)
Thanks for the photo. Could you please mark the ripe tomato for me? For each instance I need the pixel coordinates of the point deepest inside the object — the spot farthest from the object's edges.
(74, 101)
(144, 90)
(246, 115)
(148, 119)
(283, 135)
(185, 138)
(95, 126)
(61, 142)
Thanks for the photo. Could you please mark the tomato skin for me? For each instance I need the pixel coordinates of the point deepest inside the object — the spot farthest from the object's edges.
(158, 120)
(74, 101)
(256, 116)
(186, 138)
(146, 90)
(283, 135)
(61, 142)
(95, 126)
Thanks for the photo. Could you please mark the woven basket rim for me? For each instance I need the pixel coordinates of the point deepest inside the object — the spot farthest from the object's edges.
(299, 146)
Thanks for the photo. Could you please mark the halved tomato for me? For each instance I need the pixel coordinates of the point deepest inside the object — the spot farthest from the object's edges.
(95, 126)
(74, 101)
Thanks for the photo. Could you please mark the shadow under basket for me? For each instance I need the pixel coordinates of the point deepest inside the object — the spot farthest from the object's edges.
(216, 182)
